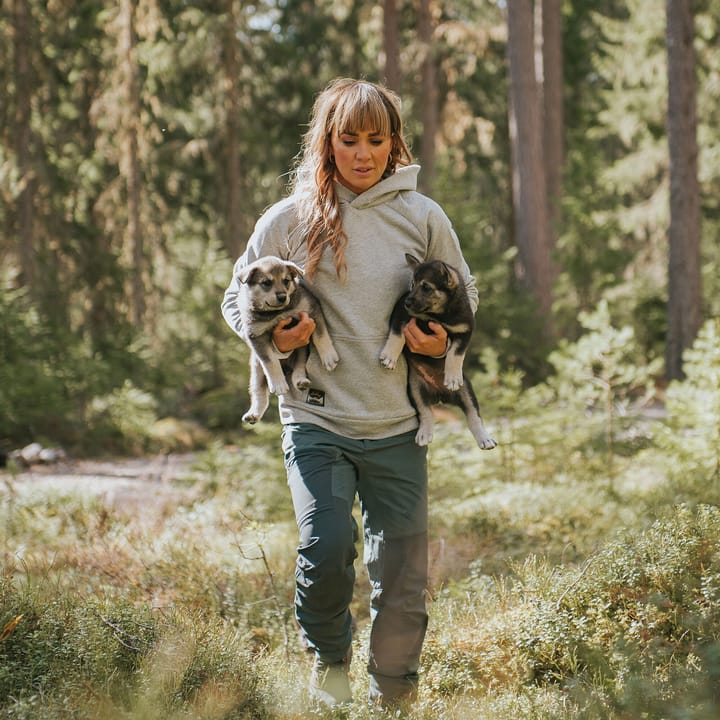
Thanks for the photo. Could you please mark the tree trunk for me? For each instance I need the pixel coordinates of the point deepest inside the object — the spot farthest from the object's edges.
(530, 204)
(391, 44)
(429, 98)
(234, 242)
(131, 161)
(22, 142)
(554, 122)
(684, 279)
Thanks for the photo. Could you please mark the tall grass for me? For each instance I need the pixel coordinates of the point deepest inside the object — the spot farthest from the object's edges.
(575, 574)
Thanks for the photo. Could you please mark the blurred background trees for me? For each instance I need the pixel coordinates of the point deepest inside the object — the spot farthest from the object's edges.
(140, 141)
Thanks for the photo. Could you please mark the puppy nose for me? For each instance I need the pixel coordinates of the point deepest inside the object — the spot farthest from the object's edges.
(281, 296)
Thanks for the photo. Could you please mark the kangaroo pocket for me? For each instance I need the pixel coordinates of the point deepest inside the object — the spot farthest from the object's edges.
(360, 391)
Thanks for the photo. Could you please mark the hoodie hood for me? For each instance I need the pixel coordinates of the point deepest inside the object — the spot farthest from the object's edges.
(403, 179)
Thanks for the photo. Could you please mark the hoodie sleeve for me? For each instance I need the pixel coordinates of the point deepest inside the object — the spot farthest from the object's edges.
(443, 244)
(270, 237)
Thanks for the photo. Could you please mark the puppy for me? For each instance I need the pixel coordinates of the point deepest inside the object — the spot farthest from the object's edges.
(438, 294)
(270, 291)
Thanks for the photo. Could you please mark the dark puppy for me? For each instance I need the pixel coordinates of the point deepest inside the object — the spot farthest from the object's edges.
(270, 292)
(438, 294)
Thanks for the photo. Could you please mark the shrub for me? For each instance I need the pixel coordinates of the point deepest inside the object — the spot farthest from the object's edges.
(89, 659)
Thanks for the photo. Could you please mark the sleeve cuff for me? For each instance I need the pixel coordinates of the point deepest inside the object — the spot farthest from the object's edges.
(284, 355)
(439, 357)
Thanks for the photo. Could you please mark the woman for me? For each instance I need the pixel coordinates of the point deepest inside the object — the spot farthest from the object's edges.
(353, 214)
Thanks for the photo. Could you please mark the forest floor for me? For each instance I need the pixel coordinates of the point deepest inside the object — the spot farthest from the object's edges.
(132, 485)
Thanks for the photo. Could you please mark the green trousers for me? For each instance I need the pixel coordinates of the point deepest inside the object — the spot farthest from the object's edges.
(389, 476)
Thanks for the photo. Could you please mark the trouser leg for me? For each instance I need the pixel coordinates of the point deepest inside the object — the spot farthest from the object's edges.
(398, 573)
(393, 493)
(322, 486)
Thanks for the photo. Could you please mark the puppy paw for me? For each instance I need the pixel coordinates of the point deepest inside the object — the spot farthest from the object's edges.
(330, 360)
(250, 417)
(279, 388)
(424, 436)
(488, 443)
(301, 383)
(453, 382)
(388, 361)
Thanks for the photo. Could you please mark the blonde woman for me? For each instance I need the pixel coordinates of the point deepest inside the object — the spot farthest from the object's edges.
(353, 214)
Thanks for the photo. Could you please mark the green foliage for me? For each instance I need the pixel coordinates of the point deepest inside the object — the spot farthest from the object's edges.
(136, 662)
(122, 419)
(634, 629)
(692, 433)
(554, 595)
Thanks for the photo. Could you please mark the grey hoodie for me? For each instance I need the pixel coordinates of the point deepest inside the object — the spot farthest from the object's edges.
(360, 399)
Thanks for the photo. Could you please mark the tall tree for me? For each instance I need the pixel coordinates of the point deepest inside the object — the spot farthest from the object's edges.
(429, 95)
(130, 162)
(530, 204)
(391, 44)
(684, 280)
(234, 241)
(22, 140)
(549, 30)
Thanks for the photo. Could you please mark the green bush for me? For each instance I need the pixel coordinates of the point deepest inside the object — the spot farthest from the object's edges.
(72, 657)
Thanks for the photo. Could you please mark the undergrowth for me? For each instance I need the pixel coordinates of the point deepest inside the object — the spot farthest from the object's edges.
(575, 571)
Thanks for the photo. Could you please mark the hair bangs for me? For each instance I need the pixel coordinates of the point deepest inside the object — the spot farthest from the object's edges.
(362, 109)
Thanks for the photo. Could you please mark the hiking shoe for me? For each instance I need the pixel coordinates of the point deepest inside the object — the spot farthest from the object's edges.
(329, 682)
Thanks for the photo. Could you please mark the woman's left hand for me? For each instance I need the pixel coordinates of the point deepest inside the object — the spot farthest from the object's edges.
(421, 343)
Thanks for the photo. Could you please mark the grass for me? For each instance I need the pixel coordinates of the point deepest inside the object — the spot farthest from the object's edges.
(567, 583)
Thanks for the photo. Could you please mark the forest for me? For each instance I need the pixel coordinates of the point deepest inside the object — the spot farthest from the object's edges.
(141, 140)
(574, 145)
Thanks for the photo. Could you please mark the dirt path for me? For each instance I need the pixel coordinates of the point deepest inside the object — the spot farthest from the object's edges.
(130, 484)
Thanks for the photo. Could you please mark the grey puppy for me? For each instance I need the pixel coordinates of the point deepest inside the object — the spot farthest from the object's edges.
(270, 292)
(437, 294)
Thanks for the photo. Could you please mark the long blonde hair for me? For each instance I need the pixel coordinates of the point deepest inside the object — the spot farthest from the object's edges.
(345, 105)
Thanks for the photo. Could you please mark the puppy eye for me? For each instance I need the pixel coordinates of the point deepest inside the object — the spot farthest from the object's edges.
(267, 284)
(425, 286)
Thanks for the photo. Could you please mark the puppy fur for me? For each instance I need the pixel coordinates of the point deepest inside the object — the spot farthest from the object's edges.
(270, 291)
(438, 294)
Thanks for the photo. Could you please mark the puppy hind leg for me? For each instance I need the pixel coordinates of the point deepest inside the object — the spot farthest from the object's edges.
(259, 392)
(426, 429)
(467, 400)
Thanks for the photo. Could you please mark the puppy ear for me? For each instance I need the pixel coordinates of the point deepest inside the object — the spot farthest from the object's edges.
(248, 274)
(412, 261)
(450, 276)
(295, 270)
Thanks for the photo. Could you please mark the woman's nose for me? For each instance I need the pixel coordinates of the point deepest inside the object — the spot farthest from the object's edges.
(362, 150)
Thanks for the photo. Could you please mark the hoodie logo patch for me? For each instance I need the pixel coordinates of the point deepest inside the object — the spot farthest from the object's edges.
(315, 397)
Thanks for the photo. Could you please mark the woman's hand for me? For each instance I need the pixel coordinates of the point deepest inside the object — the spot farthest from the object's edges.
(287, 339)
(421, 343)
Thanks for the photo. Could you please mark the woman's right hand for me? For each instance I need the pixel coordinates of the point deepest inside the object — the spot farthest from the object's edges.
(287, 339)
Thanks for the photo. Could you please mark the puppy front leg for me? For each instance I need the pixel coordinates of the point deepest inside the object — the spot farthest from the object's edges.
(395, 341)
(259, 395)
(454, 366)
(324, 345)
(391, 350)
(271, 366)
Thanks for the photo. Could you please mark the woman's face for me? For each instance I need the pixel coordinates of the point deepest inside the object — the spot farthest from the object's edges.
(360, 158)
